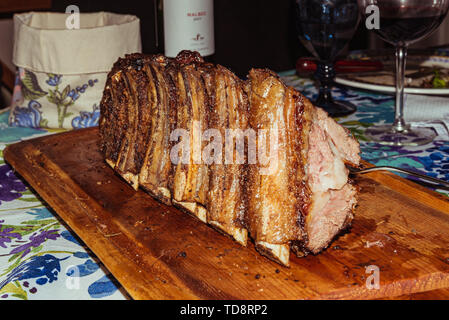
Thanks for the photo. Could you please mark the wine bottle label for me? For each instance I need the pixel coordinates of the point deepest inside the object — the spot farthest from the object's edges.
(189, 25)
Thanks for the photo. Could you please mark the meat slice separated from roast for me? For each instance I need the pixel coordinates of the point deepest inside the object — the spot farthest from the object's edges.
(305, 198)
(275, 183)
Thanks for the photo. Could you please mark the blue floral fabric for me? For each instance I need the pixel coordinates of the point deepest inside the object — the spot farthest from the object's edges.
(47, 100)
(41, 259)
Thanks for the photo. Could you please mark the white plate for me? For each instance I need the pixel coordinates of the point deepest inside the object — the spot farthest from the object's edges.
(389, 89)
(424, 61)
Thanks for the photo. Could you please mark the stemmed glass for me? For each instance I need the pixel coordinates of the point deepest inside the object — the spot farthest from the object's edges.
(325, 27)
(402, 22)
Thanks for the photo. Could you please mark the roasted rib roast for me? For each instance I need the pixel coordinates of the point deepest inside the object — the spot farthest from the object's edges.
(251, 158)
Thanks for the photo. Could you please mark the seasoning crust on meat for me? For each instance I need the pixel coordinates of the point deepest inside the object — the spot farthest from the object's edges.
(254, 159)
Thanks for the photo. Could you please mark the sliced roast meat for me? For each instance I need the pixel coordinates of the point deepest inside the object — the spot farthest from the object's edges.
(333, 198)
(119, 106)
(190, 175)
(250, 158)
(155, 171)
(275, 182)
(228, 123)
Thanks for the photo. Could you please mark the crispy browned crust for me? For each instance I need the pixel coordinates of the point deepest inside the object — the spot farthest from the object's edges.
(274, 214)
(146, 97)
(225, 197)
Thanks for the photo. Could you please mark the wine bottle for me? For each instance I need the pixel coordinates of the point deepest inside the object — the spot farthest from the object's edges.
(188, 25)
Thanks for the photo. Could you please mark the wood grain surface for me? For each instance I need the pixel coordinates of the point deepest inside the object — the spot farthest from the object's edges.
(159, 252)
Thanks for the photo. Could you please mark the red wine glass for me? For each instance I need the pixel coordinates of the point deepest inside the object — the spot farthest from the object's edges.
(401, 23)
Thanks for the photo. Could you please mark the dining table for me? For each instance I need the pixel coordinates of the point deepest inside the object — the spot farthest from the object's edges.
(42, 258)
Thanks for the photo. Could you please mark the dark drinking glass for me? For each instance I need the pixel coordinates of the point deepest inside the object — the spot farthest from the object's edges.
(403, 22)
(325, 27)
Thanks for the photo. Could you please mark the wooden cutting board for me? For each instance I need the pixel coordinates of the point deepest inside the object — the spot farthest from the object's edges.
(158, 252)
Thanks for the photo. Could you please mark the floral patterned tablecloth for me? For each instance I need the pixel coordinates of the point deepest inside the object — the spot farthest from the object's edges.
(40, 258)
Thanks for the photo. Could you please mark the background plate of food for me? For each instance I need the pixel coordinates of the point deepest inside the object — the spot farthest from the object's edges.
(427, 72)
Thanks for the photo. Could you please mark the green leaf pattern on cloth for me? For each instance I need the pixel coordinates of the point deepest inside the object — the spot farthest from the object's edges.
(52, 100)
(31, 89)
(39, 257)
